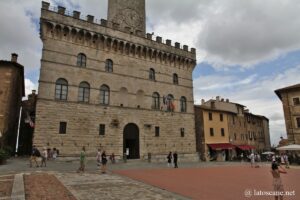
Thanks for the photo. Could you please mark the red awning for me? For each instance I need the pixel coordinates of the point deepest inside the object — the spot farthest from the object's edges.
(245, 147)
(219, 146)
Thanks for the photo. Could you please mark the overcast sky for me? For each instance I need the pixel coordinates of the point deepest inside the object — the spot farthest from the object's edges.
(245, 49)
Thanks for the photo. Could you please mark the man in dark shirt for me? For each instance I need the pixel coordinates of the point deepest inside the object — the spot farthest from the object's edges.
(175, 157)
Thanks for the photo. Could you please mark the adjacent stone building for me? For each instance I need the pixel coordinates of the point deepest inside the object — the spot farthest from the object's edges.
(11, 92)
(105, 84)
(225, 130)
(27, 123)
(290, 98)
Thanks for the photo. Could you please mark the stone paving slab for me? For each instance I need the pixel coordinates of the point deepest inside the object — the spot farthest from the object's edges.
(18, 192)
(44, 186)
(111, 187)
(6, 184)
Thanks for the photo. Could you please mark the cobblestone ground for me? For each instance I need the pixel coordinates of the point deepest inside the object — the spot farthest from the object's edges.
(6, 184)
(108, 186)
(45, 186)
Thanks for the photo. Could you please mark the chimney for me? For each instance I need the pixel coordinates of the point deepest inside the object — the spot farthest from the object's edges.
(218, 98)
(14, 57)
(227, 100)
(202, 101)
(33, 92)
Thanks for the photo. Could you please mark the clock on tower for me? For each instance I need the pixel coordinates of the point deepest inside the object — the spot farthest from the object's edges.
(128, 14)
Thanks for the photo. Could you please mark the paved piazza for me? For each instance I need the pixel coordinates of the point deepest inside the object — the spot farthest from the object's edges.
(142, 180)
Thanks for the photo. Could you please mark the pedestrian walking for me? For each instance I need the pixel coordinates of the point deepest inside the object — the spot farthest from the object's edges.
(104, 162)
(44, 156)
(98, 157)
(242, 157)
(82, 161)
(169, 158)
(277, 183)
(252, 159)
(175, 159)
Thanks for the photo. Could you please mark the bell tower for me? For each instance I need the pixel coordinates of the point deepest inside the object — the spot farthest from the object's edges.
(130, 15)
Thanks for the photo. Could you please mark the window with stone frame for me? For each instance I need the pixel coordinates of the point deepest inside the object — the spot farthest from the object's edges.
(62, 127)
(298, 122)
(61, 89)
(221, 117)
(210, 116)
(182, 132)
(296, 101)
(102, 129)
(182, 104)
(234, 136)
(169, 101)
(81, 60)
(104, 95)
(156, 131)
(222, 132)
(84, 92)
(249, 135)
(155, 101)
(175, 79)
(152, 74)
(109, 65)
(211, 131)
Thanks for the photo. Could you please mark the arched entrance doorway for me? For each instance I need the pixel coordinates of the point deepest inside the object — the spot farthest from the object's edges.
(131, 141)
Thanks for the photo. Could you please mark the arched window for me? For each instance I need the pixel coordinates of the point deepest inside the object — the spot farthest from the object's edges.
(170, 102)
(104, 95)
(182, 104)
(61, 89)
(84, 92)
(155, 101)
(81, 60)
(109, 65)
(152, 74)
(175, 79)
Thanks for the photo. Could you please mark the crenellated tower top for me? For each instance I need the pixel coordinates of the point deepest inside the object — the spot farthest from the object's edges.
(130, 15)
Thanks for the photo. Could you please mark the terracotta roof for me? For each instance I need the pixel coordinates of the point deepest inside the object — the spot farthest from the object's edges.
(292, 87)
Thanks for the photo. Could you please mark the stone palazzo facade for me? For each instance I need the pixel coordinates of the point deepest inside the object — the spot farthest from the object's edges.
(290, 98)
(106, 84)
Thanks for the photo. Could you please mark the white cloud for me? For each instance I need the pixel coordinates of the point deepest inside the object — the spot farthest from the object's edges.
(248, 32)
(29, 86)
(19, 33)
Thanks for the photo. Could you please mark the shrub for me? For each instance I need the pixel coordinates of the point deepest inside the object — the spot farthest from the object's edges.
(3, 155)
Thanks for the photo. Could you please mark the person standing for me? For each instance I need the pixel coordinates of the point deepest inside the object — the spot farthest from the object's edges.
(252, 159)
(286, 161)
(169, 157)
(54, 153)
(175, 159)
(98, 157)
(104, 162)
(44, 157)
(277, 183)
(82, 160)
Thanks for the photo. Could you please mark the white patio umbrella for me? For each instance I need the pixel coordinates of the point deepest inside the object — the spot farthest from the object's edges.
(292, 147)
(268, 153)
